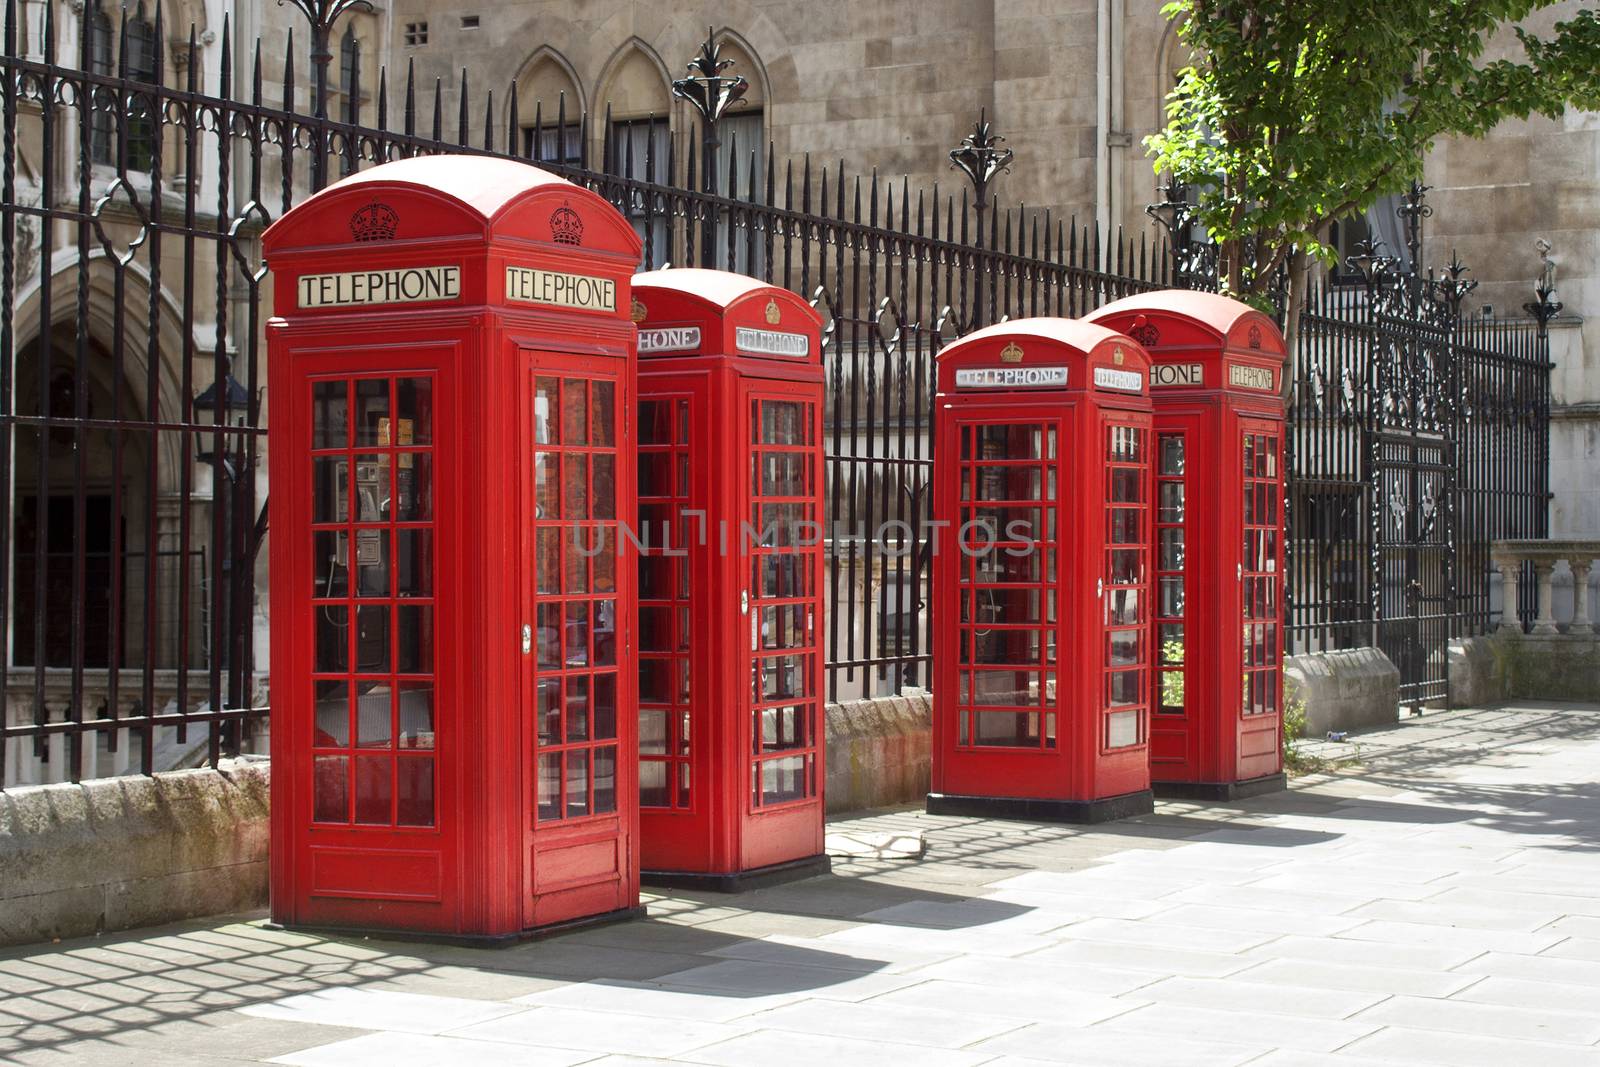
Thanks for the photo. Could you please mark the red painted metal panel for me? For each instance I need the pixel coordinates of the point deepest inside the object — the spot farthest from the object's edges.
(422, 308)
(731, 662)
(1217, 381)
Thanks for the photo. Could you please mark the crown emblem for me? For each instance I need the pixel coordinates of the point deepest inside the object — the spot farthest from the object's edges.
(773, 314)
(566, 226)
(1011, 353)
(1255, 335)
(1146, 334)
(1117, 357)
(637, 311)
(375, 222)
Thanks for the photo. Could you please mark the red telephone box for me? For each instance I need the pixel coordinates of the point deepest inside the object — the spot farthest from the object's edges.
(1041, 658)
(1216, 378)
(453, 715)
(730, 603)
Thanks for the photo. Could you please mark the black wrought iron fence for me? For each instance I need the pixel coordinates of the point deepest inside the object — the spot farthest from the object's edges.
(132, 197)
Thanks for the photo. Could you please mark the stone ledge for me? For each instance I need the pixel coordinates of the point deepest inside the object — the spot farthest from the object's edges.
(880, 751)
(1345, 689)
(115, 853)
(1500, 666)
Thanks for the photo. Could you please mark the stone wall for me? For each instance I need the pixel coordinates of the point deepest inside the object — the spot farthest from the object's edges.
(1347, 689)
(1484, 670)
(116, 853)
(879, 751)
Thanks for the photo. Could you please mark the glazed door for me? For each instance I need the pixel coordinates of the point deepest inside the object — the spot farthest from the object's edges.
(372, 794)
(1175, 724)
(580, 704)
(782, 598)
(1260, 577)
(674, 666)
(999, 561)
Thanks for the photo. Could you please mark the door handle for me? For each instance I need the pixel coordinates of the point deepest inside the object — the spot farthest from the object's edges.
(527, 639)
(744, 602)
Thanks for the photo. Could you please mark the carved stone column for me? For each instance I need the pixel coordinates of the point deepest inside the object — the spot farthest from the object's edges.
(1580, 592)
(1545, 622)
(1510, 623)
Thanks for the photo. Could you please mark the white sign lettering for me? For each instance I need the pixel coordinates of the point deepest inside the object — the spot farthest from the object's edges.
(669, 339)
(1011, 377)
(771, 342)
(400, 285)
(1177, 374)
(1128, 381)
(1250, 377)
(527, 285)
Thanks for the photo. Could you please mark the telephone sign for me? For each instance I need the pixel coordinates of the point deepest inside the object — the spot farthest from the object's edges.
(453, 746)
(1217, 552)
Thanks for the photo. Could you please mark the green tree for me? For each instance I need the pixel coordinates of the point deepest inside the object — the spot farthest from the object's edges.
(1296, 113)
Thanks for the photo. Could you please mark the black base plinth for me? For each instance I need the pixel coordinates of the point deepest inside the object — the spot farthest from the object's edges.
(1035, 810)
(1250, 787)
(605, 918)
(739, 881)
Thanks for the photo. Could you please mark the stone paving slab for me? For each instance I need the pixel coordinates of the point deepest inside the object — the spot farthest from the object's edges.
(1439, 903)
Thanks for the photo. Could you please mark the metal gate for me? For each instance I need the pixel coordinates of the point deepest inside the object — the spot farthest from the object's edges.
(1413, 560)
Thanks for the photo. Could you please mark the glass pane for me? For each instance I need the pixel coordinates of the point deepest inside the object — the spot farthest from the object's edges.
(547, 558)
(605, 780)
(549, 636)
(1172, 691)
(414, 575)
(577, 783)
(1122, 607)
(1122, 688)
(333, 632)
(330, 789)
(546, 416)
(1127, 485)
(655, 578)
(416, 715)
(330, 489)
(1127, 566)
(602, 413)
(655, 474)
(577, 563)
(415, 792)
(577, 709)
(414, 398)
(782, 423)
(782, 473)
(604, 707)
(372, 418)
(330, 564)
(653, 791)
(1171, 598)
(1172, 456)
(783, 779)
(1122, 729)
(330, 415)
(414, 639)
(603, 498)
(1171, 502)
(655, 422)
(653, 739)
(372, 639)
(372, 488)
(577, 635)
(605, 633)
(546, 500)
(1005, 646)
(1005, 688)
(1006, 728)
(373, 714)
(1125, 523)
(575, 485)
(574, 407)
(332, 714)
(414, 487)
(655, 629)
(373, 791)
(781, 728)
(372, 563)
(1171, 549)
(547, 710)
(779, 677)
(655, 681)
(550, 785)
(1124, 648)
(1172, 643)
(1009, 442)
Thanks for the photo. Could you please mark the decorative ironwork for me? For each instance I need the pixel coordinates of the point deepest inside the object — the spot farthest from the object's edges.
(1545, 307)
(321, 14)
(712, 94)
(146, 271)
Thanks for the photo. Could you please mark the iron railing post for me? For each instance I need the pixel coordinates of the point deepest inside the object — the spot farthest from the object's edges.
(712, 94)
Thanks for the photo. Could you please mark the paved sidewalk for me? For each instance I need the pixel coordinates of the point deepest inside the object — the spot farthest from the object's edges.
(1438, 904)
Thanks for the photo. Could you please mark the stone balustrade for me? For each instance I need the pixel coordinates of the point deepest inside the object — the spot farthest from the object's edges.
(1508, 558)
